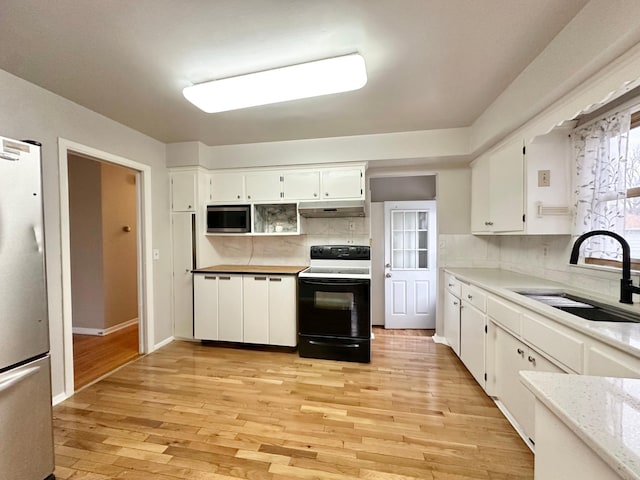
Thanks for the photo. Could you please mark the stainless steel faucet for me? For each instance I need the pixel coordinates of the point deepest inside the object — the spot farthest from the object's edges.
(627, 289)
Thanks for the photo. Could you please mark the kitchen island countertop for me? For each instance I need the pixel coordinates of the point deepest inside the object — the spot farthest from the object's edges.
(253, 269)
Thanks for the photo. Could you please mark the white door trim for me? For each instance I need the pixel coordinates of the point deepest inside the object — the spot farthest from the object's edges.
(145, 259)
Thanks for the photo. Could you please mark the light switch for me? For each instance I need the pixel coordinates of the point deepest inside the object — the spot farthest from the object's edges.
(544, 178)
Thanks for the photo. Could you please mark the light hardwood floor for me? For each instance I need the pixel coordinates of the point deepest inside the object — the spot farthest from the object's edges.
(198, 412)
(94, 356)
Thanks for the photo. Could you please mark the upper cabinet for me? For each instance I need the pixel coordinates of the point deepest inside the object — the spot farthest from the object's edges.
(268, 185)
(497, 192)
(227, 187)
(183, 191)
(301, 185)
(263, 187)
(523, 188)
(342, 183)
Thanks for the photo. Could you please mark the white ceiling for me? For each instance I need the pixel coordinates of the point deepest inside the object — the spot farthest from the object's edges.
(431, 63)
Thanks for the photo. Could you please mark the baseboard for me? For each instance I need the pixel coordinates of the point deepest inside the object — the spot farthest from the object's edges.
(103, 331)
(439, 339)
(61, 397)
(164, 342)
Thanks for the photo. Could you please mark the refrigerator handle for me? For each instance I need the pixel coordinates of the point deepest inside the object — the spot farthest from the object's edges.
(17, 377)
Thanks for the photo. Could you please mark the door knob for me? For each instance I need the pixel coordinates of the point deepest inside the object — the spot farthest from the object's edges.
(387, 265)
(388, 275)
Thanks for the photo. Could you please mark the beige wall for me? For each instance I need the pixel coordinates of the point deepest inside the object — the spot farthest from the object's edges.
(119, 247)
(85, 223)
(29, 111)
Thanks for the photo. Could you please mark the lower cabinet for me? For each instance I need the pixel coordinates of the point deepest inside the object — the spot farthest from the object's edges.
(452, 321)
(259, 309)
(472, 341)
(511, 357)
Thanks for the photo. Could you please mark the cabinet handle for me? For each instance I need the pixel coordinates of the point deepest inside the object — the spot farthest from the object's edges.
(489, 223)
(451, 284)
(260, 278)
(249, 196)
(315, 194)
(326, 194)
(225, 278)
(455, 303)
(532, 360)
(520, 351)
(208, 277)
(238, 196)
(470, 297)
(275, 279)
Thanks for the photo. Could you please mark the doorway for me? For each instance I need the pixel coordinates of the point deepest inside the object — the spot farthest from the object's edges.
(136, 229)
(410, 264)
(104, 253)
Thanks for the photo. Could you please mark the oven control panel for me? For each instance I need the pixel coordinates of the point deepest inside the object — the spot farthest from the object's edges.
(342, 252)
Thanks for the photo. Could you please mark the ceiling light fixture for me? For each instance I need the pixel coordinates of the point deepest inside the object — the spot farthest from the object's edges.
(312, 79)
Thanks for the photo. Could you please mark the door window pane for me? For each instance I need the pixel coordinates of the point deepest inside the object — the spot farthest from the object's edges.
(409, 242)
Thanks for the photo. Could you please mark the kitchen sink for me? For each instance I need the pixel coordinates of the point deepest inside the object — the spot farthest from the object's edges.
(581, 307)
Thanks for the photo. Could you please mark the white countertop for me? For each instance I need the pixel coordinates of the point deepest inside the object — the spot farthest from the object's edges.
(625, 336)
(603, 412)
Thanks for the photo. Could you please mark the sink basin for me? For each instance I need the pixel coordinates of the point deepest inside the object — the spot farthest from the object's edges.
(582, 307)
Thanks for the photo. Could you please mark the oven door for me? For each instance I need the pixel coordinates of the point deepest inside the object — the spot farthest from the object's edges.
(334, 307)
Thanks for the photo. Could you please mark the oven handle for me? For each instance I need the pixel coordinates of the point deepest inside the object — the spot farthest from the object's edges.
(351, 283)
(329, 344)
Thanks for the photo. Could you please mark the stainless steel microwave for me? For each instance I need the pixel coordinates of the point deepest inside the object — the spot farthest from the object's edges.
(228, 218)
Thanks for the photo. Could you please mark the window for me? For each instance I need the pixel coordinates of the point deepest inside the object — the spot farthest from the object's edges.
(608, 185)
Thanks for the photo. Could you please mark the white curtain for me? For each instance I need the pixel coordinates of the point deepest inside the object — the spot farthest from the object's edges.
(600, 187)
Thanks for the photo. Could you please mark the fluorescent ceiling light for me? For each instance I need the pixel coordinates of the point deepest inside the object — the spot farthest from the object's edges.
(312, 79)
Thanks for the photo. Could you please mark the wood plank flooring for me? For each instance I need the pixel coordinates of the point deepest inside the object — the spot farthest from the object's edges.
(94, 356)
(198, 412)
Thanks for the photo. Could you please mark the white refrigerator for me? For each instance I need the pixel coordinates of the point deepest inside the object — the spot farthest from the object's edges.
(26, 434)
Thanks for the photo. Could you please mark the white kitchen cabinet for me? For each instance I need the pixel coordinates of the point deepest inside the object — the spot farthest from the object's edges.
(227, 187)
(523, 189)
(302, 185)
(182, 236)
(342, 183)
(511, 357)
(263, 187)
(452, 321)
(256, 309)
(283, 325)
(497, 194)
(205, 307)
(270, 309)
(605, 361)
(472, 341)
(183, 191)
(230, 315)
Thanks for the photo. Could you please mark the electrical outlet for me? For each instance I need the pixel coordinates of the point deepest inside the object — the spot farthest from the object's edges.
(544, 178)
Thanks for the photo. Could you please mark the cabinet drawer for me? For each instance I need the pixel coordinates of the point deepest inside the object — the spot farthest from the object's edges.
(605, 361)
(453, 284)
(504, 315)
(474, 296)
(553, 342)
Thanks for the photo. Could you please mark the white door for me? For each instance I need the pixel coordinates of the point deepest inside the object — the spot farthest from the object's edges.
(410, 264)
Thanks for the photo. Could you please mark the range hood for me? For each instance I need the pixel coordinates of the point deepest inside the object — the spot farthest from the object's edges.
(345, 208)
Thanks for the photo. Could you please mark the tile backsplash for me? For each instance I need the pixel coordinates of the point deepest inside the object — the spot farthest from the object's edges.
(537, 255)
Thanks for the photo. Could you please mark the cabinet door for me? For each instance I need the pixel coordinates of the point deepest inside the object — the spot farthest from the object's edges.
(263, 187)
(342, 183)
(472, 341)
(227, 187)
(452, 321)
(183, 191)
(256, 309)
(283, 325)
(480, 217)
(230, 308)
(205, 306)
(510, 358)
(506, 193)
(181, 244)
(302, 185)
